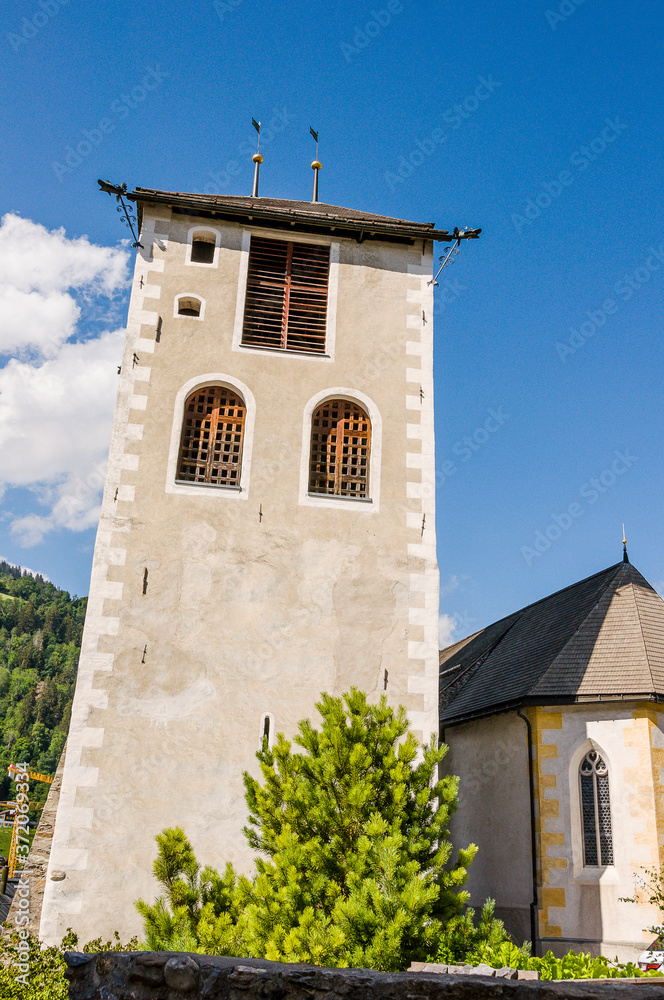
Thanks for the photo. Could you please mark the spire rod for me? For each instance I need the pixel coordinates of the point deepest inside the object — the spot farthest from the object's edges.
(315, 166)
(625, 556)
(257, 158)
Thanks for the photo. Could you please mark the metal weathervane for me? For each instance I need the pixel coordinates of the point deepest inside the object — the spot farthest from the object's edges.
(316, 165)
(129, 220)
(257, 158)
(448, 258)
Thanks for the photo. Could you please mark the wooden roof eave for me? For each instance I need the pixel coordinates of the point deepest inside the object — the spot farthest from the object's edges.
(315, 222)
(529, 702)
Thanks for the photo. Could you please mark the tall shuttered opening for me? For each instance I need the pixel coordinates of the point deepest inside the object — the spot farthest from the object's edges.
(286, 301)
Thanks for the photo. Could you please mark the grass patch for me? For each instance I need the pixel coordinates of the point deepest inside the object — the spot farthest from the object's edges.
(6, 839)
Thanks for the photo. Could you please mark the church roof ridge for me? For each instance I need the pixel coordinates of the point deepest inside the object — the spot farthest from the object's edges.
(580, 643)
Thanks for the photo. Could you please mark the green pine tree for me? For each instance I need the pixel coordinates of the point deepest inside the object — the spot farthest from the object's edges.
(354, 858)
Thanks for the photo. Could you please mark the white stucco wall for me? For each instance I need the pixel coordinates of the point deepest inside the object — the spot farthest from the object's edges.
(581, 905)
(244, 615)
(490, 757)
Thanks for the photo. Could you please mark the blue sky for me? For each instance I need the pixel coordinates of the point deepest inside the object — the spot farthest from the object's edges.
(538, 121)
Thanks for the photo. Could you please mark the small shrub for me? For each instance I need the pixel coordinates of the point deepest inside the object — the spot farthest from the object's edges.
(30, 972)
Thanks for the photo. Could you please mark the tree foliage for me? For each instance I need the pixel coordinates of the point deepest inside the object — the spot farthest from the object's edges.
(40, 638)
(30, 972)
(354, 863)
(649, 888)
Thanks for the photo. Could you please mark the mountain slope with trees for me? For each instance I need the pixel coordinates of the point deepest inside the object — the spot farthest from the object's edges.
(40, 637)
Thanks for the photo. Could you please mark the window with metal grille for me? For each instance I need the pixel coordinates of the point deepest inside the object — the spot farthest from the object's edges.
(212, 433)
(202, 248)
(286, 301)
(595, 811)
(340, 448)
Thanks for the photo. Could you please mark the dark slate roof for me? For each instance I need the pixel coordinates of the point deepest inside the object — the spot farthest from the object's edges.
(602, 638)
(306, 214)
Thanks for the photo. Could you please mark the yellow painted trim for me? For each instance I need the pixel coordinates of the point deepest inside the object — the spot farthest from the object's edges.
(546, 808)
(646, 803)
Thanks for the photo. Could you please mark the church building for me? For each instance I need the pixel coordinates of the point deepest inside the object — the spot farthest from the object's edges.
(554, 717)
(267, 530)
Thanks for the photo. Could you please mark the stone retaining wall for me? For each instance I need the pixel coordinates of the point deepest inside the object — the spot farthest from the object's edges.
(172, 976)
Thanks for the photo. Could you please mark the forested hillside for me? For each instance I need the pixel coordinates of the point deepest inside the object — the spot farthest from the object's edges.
(40, 637)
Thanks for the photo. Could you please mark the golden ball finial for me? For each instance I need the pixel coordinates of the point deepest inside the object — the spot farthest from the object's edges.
(316, 165)
(257, 158)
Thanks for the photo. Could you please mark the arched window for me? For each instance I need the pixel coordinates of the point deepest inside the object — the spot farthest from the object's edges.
(212, 436)
(595, 811)
(188, 305)
(340, 447)
(202, 247)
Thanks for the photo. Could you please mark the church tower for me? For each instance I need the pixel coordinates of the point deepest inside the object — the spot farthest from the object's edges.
(268, 526)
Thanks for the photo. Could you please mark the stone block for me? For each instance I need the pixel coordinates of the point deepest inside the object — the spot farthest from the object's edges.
(527, 974)
(482, 970)
(205, 977)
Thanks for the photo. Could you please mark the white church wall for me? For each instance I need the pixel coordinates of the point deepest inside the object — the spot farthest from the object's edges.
(580, 905)
(490, 757)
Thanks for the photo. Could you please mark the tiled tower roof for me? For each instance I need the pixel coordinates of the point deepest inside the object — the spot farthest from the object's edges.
(602, 638)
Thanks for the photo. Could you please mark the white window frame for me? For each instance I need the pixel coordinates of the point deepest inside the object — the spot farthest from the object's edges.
(209, 489)
(332, 290)
(188, 295)
(190, 238)
(372, 503)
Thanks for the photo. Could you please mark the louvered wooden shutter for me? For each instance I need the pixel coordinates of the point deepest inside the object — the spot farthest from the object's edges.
(340, 448)
(212, 436)
(286, 301)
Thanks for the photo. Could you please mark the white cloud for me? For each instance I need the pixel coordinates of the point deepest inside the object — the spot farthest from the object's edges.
(55, 427)
(55, 417)
(447, 588)
(39, 270)
(57, 394)
(447, 626)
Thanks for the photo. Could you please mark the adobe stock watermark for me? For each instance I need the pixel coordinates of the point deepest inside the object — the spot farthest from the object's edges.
(591, 493)
(502, 754)
(580, 159)
(454, 116)
(119, 109)
(628, 285)
(363, 37)
(563, 13)
(470, 444)
(32, 25)
(22, 891)
(81, 491)
(449, 291)
(281, 118)
(223, 7)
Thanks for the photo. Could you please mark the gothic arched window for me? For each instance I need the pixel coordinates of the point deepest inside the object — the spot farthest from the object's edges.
(595, 810)
(340, 449)
(212, 436)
